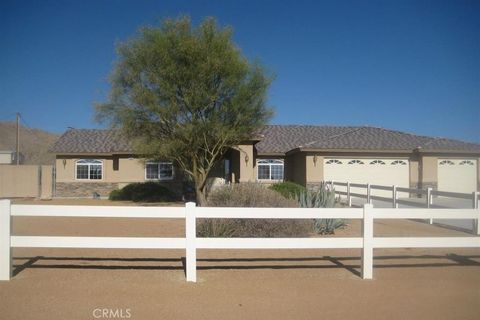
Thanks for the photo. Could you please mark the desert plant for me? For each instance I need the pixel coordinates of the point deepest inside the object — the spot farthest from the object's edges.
(147, 192)
(323, 197)
(222, 228)
(288, 189)
(251, 195)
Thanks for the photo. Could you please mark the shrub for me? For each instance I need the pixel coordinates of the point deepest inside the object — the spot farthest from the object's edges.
(288, 189)
(251, 195)
(324, 197)
(146, 192)
(248, 195)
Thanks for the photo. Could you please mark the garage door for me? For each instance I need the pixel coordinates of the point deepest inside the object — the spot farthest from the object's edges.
(457, 175)
(378, 171)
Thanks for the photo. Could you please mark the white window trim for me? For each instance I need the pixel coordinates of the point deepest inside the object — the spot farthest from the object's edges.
(88, 163)
(279, 162)
(158, 164)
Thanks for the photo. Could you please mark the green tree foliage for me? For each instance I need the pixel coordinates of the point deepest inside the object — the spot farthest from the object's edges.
(186, 94)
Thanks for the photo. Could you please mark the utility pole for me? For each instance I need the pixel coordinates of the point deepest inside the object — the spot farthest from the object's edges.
(18, 139)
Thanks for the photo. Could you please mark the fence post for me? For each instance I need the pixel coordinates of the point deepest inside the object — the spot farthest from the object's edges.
(349, 198)
(475, 206)
(429, 200)
(394, 196)
(367, 251)
(368, 193)
(5, 249)
(191, 235)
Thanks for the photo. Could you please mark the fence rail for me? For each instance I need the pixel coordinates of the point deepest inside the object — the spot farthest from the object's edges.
(394, 200)
(367, 242)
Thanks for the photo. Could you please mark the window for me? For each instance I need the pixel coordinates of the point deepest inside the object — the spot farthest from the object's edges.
(88, 169)
(377, 162)
(446, 162)
(355, 161)
(399, 162)
(158, 171)
(270, 169)
(333, 161)
(466, 162)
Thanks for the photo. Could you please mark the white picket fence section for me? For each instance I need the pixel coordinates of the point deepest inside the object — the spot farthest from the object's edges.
(367, 242)
(429, 193)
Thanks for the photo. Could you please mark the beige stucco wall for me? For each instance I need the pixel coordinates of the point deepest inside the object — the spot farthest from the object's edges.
(314, 168)
(414, 172)
(24, 181)
(429, 177)
(116, 169)
(246, 163)
(46, 191)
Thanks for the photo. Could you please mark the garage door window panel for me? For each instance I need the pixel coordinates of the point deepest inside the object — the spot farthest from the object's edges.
(446, 163)
(466, 163)
(355, 161)
(334, 161)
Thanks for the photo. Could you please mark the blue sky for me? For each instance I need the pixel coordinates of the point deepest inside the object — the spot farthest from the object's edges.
(407, 65)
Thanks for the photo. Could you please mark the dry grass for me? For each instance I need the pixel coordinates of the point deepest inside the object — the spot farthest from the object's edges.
(249, 195)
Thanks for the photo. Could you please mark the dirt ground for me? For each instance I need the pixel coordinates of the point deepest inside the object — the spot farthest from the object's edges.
(235, 284)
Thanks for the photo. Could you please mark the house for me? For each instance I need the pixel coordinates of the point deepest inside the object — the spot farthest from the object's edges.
(98, 161)
(8, 157)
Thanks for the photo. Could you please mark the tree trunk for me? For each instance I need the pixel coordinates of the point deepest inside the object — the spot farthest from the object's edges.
(200, 196)
(199, 181)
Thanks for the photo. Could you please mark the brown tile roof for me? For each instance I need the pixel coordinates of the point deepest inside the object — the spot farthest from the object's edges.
(92, 141)
(281, 139)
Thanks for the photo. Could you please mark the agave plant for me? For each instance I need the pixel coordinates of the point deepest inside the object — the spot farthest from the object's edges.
(324, 197)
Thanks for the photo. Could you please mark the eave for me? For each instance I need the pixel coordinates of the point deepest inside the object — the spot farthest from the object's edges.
(93, 154)
(386, 151)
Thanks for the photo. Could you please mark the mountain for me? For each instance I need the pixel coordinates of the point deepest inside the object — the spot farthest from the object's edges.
(34, 143)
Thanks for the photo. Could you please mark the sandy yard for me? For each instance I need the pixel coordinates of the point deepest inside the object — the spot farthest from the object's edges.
(236, 284)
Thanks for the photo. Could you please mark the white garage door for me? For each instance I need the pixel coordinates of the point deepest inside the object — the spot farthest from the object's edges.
(378, 171)
(457, 175)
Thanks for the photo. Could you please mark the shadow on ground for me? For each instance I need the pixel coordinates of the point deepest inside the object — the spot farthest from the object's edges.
(351, 264)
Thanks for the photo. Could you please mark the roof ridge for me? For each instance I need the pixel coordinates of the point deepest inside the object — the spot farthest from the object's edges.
(335, 136)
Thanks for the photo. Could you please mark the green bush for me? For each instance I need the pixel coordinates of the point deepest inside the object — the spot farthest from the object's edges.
(143, 192)
(251, 195)
(288, 189)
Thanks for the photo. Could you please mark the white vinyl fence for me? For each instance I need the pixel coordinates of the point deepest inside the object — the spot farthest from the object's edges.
(364, 190)
(367, 242)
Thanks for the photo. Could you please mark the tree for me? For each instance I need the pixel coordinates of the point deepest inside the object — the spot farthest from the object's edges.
(186, 94)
